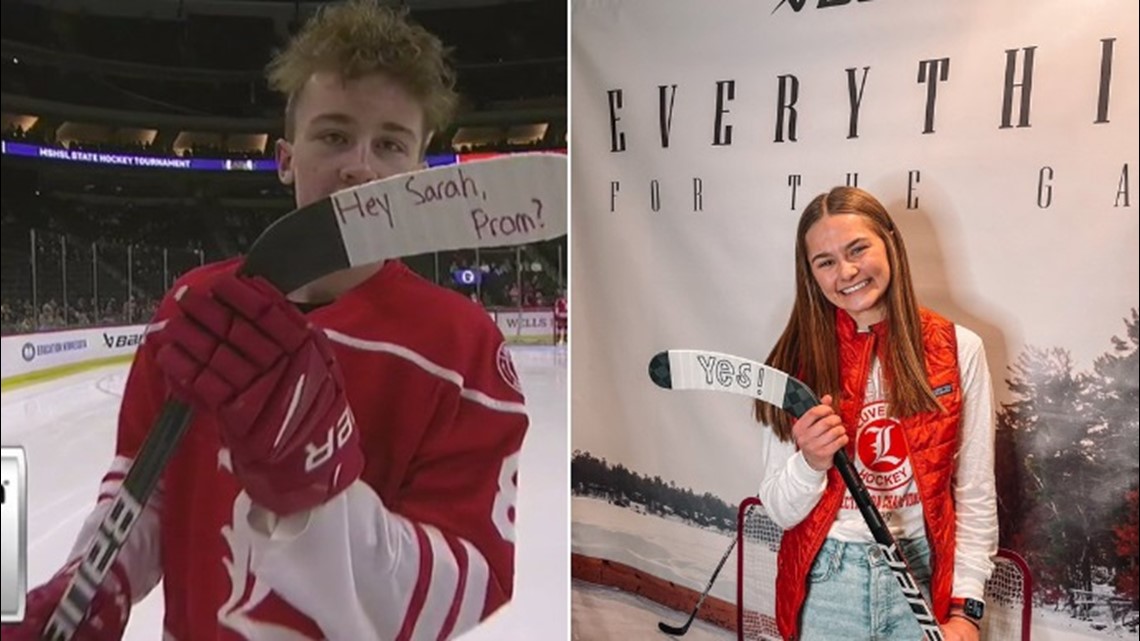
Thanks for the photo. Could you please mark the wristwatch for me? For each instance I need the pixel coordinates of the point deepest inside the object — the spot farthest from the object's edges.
(973, 609)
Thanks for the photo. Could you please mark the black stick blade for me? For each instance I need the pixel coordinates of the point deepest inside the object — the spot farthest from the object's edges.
(299, 248)
(659, 371)
(674, 630)
(798, 398)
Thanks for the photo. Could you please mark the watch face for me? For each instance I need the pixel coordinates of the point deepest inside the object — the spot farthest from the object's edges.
(974, 609)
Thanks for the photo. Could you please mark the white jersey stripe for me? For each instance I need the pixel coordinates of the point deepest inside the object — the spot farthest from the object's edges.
(475, 396)
(113, 482)
(400, 550)
(110, 488)
(397, 350)
(441, 589)
(139, 560)
(474, 592)
(120, 465)
(430, 367)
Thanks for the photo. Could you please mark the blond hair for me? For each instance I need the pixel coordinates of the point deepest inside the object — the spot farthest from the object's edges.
(360, 37)
(808, 348)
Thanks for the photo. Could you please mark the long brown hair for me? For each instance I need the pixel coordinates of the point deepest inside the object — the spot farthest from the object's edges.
(808, 348)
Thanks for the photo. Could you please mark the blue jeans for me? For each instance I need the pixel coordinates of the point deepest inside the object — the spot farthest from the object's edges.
(852, 595)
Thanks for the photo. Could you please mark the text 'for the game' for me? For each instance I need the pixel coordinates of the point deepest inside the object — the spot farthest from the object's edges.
(13, 540)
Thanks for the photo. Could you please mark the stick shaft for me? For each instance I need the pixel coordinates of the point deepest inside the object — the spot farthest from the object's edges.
(714, 371)
(685, 628)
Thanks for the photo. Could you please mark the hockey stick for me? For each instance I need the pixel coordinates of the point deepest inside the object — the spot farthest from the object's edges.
(512, 200)
(681, 630)
(701, 370)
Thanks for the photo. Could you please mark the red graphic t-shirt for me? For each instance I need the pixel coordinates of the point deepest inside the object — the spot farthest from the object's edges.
(883, 461)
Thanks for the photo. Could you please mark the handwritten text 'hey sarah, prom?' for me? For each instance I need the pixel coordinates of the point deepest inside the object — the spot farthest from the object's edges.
(417, 190)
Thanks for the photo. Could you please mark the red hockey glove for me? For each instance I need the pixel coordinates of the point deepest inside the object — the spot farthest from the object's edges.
(245, 354)
(106, 618)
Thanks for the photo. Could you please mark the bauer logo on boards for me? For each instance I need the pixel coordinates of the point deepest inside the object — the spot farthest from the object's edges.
(13, 520)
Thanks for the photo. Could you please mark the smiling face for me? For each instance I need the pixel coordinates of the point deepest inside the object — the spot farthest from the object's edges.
(849, 263)
(349, 132)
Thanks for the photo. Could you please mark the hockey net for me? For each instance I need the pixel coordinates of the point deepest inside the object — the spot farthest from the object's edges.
(1008, 592)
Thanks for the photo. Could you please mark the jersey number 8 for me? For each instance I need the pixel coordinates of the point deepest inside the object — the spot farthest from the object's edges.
(503, 512)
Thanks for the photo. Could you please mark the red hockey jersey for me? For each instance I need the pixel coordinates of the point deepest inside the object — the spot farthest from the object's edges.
(422, 547)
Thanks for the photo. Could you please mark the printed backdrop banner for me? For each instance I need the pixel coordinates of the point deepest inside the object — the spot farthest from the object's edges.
(1001, 136)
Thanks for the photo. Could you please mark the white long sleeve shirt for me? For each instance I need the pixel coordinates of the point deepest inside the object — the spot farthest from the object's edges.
(790, 488)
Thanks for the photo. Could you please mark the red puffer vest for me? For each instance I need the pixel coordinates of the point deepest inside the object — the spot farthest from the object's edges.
(932, 440)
